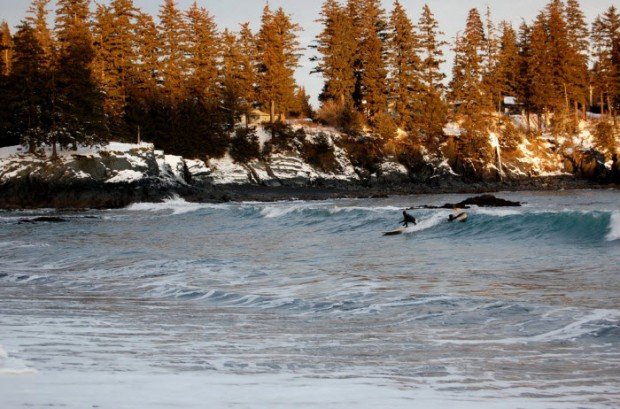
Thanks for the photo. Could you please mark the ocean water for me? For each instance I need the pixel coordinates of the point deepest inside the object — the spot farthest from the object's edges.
(306, 304)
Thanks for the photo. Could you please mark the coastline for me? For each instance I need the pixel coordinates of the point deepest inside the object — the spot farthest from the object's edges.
(29, 194)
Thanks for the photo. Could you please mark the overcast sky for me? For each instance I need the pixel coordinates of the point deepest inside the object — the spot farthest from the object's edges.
(450, 13)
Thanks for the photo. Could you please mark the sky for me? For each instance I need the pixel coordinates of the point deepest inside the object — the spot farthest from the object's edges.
(451, 15)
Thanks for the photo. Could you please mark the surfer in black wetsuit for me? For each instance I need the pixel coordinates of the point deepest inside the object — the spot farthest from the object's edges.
(457, 215)
(407, 218)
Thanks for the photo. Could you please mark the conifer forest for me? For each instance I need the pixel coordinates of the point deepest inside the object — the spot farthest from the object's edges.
(109, 72)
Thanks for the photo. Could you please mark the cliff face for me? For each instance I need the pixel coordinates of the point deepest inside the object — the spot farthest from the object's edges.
(117, 174)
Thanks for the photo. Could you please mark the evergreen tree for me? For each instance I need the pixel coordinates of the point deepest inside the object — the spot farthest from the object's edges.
(606, 37)
(77, 100)
(237, 75)
(431, 51)
(508, 62)
(491, 75)
(173, 50)
(337, 45)
(433, 109)
(540, 69)
(562, 56)
(148, 51)
(577, 36)
(203, 53)
(69, 14)
(353, 9)
(248, 62)
(278, 51)
(29, 105)
(468, 70)
(405, 83)
(6, 47)
(468, 93)
(37, 19)
(524, 88)
(373, 85)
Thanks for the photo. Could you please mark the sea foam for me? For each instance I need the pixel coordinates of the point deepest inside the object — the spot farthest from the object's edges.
(175, 204)
(614, 227)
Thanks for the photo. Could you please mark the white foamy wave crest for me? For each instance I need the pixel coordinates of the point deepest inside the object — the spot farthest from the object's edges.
(275, 211)
(378, 209)
(614, 227)
(573, 330)
(497, 212)
(428, 222)
(13, 367)
(272, 212)
(175, 204)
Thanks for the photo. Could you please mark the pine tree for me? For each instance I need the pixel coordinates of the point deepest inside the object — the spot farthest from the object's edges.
(6, 139)
(6, 47)
(147, 65)
(540, 67)
(508, 61)
(405, 83)
(237, 73)
(69, 14)
(524, 85)
(337, 45)
(468, 93)
(468, 70)
(371, 52)
(78, 107)
(37, 19)
(173, 49)
(491, 76)
(278, 50)
(577, 35)
(248, 62)
(431, 51)
(606, 37)
(562, 55)
(433, 112)
(30, 107)
(203, 53)
(353, 9)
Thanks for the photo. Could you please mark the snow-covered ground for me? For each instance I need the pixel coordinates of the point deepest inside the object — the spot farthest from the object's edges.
(127, 163)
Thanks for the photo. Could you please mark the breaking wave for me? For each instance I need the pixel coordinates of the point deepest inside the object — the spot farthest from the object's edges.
(175, 205)
(614, 227)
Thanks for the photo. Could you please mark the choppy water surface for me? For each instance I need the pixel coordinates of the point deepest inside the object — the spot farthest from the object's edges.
(517, 303)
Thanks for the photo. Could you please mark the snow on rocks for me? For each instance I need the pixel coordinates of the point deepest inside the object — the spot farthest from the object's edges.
(226, 171)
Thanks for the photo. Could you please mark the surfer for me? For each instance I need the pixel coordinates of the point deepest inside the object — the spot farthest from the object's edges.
(407, 218)
(458, 216)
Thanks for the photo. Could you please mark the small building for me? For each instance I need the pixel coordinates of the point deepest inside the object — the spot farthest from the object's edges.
(511, 106)
(256, 116)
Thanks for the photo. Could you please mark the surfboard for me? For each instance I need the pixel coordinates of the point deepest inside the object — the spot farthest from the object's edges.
(396, 232)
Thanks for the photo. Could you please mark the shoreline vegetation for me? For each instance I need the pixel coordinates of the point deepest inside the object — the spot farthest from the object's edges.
(89, 105)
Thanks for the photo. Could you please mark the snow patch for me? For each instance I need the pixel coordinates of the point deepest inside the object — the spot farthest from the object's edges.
(126, 176)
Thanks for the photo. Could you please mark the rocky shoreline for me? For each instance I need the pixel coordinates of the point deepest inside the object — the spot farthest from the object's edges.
(84, 194)
(117, 175)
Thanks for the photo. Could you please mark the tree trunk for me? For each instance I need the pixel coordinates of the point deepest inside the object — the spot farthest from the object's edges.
(611, 110)
(576, 105)
(272, 113)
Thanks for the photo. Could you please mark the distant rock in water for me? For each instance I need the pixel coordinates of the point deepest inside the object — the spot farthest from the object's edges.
(488, 201)
(44, 219)
(480, 201)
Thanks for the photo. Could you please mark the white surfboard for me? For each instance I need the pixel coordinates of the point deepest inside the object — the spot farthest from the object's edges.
(396, 232)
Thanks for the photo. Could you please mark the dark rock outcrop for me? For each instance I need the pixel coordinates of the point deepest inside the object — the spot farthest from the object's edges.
(480, 201)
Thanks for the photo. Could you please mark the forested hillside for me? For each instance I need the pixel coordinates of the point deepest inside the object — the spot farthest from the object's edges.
(110, 72)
